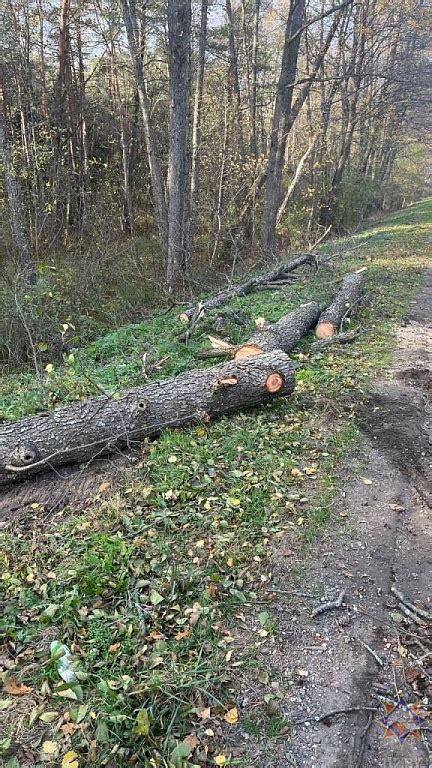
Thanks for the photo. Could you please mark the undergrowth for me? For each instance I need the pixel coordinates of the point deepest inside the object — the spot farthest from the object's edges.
(144, 586)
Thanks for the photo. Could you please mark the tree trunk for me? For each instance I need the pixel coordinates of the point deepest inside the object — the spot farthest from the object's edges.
(286, 112)
(234, 80)
(297, 176)
(179, 35)
(278, 133)
(102, 425)
(197, 113)
(349, 295)
(157, 183)
(16, 212)
(283, 335)
(254, 89)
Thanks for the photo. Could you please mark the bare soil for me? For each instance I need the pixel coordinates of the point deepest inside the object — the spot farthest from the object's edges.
(313, 666)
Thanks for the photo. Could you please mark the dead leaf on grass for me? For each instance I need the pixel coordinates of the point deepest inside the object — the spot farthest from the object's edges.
(191, 741)
(70, 760)
(231, 716)
(16, 689)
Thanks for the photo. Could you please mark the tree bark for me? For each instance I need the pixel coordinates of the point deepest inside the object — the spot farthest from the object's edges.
(279, 134)
(198, 311)
(286, 113)
(102, 425)
(234, 80)
(283, 335)
(13, 192)
(349, 295)
(197, 112)
(157, 183)
(295, 181)
(254, 88)
(179, 36)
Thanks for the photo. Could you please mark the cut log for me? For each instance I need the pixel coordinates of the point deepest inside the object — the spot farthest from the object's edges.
(348, 296)
(193, 314)
(283, 335)
(102, 425)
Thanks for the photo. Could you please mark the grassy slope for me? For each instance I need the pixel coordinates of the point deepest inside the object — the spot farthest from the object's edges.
(144, 586)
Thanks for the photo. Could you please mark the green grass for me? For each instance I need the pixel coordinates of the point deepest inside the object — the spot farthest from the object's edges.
(144, 587)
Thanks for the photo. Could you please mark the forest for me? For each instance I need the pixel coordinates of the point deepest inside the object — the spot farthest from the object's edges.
(151, 149)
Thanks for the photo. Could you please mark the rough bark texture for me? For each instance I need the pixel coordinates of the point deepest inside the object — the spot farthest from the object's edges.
(157, 183)
(197, 112)
(179, 39)
(349, 294)
(285, 334)
(102, 425)
(197, 312)
(279, 133)
(16, 213)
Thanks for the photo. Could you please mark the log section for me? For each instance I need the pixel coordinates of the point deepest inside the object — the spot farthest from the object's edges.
(348, 295)
(102, 425)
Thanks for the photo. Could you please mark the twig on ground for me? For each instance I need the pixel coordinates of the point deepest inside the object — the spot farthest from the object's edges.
(292, 592)
(411, 615)
(148, 368)
(334, 255)
(427, 747)
(340, 338)
(402, 599)
(330, 606)
(363, 741)
(425, 656)
(333, 713)
(377, 658)
(348, 312)
(385, 623)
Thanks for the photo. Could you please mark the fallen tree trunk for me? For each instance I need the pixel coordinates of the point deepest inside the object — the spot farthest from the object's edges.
(193, 314)
(346, 298)
(102, 425)
(283, 335)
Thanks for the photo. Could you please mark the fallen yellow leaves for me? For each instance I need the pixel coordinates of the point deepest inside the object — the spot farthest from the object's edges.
(49, 749)
(204, 714)
(70, 760)
(231, 716)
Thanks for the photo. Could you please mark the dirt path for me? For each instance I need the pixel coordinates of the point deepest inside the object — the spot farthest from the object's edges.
(318, 665)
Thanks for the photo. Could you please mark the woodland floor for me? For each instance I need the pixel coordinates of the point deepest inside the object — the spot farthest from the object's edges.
(183, 578)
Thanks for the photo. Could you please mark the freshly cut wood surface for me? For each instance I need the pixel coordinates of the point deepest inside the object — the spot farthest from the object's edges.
(349, 294)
